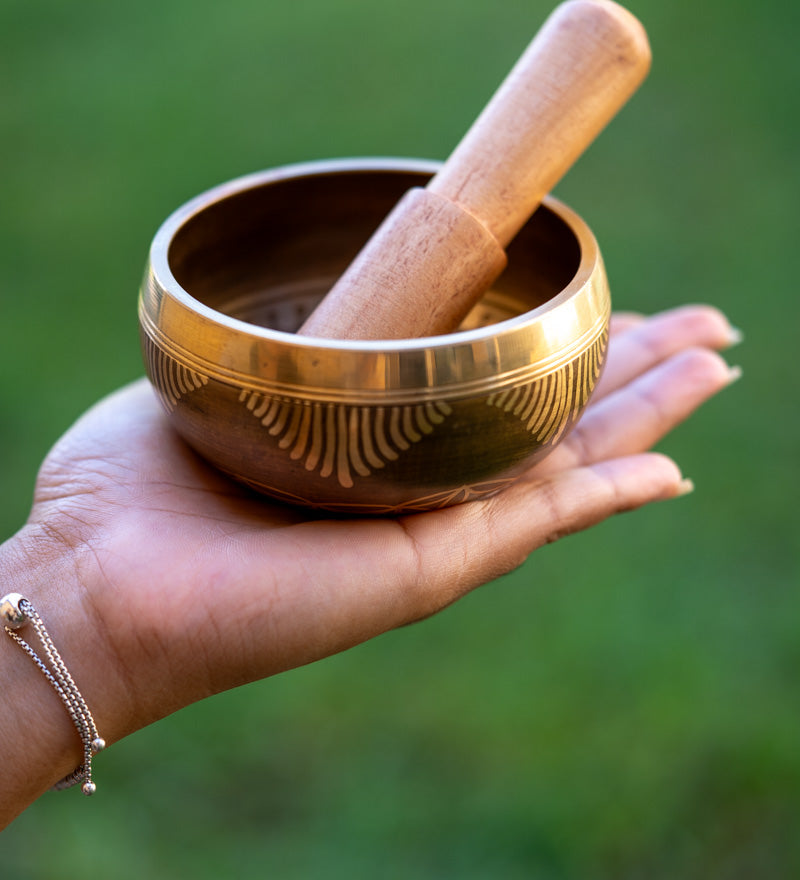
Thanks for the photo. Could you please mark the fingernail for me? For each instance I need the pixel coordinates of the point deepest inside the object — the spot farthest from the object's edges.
(734, 374)
(735, 336)
(685, 487)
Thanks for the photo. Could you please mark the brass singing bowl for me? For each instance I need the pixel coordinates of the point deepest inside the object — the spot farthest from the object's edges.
(362, 426)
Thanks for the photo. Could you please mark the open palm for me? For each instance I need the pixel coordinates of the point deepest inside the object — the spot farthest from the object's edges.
(199, 585)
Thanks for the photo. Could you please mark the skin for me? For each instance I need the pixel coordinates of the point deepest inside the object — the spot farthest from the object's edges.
(162, 582)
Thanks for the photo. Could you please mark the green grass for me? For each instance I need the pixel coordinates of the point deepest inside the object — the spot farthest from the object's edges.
(625, 705)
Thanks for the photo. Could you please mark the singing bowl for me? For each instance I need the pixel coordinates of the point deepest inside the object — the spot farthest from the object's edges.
(362, 426)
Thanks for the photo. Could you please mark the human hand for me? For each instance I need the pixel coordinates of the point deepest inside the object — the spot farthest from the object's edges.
(164, 582)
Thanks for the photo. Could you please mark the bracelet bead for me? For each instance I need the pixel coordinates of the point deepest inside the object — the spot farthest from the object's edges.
(11, 614)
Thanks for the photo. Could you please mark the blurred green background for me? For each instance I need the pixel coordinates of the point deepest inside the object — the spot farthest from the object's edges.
(626, 705)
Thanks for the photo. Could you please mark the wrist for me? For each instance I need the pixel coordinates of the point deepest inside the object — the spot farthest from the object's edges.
(35, 726)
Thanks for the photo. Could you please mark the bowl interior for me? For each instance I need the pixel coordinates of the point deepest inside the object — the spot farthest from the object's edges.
(267, 254)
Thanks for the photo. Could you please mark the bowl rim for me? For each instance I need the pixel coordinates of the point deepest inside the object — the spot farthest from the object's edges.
(161, 289)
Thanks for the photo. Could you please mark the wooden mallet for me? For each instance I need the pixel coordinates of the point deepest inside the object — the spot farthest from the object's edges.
(442, 246)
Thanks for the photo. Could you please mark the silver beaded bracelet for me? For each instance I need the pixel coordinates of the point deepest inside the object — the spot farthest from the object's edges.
(15, 612)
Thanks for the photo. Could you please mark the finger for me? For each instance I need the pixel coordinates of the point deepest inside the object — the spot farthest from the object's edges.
(388, 573)
(641, 346)
(505, 529)
(635, 417)
(622, 321)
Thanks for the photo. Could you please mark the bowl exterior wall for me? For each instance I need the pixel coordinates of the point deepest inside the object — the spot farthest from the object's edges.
(353, 457)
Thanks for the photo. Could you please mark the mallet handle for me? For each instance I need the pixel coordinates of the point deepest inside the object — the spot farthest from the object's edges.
(441, 247)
